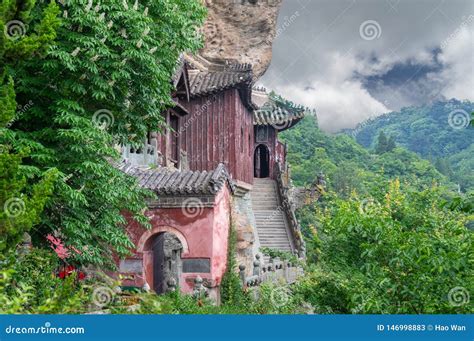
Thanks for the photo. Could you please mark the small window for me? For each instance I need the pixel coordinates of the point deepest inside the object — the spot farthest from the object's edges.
(174, 138)
(262, 134)
(241, 139)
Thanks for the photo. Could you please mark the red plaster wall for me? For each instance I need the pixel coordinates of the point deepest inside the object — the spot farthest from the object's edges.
(202, 236)
(221, 234)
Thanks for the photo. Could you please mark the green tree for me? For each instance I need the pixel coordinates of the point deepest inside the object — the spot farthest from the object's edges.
(104, 83)
(382, 143)
(399, 252)
(23, 193)
(391, 145)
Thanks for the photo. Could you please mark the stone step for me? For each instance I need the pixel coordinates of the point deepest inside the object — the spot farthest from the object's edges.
(276, 237)
(270, 219)
(269, 216)
(272, 202)
(270, 223)
(272, 232)
(280, 241)
(267, 222)
(269, 213)
(283, 243)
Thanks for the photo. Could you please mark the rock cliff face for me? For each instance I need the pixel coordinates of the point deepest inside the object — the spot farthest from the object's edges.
(241, 30)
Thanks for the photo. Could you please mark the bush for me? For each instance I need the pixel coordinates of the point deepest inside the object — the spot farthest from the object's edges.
(29, 286)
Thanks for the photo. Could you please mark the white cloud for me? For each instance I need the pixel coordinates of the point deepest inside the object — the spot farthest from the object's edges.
(339, 106)
(457, 57)
(322, 62)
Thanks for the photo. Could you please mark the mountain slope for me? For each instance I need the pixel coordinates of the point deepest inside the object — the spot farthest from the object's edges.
(438, 132)
(347, 165)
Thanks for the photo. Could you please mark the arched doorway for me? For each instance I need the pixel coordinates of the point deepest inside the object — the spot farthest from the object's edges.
(166, 251)
(261, 162)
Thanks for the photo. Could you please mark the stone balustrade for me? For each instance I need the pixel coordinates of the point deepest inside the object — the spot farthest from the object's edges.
(145, 155)
(289, 210)
(275, 271)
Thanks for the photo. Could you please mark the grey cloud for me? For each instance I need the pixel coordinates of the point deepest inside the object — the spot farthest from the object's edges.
(322, 60)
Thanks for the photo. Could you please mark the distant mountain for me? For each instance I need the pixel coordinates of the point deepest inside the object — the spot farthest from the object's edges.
(348, 166)
(439, 132)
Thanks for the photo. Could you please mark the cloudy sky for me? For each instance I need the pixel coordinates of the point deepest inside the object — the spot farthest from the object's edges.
(353, 59)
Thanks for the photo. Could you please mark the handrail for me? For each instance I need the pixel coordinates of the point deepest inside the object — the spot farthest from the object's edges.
(287, 207)
(277, 271)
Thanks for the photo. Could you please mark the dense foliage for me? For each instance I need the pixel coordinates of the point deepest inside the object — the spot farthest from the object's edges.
(41, 292)
(395, 253)
(389, 236)
(23, 194)
(440, 132)
(347, 165)
(103, 82)
(79, 79)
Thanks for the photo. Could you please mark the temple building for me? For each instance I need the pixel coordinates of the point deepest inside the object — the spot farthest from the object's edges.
(219, 165)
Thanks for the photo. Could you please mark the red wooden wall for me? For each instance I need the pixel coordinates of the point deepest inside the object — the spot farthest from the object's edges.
(219, 128)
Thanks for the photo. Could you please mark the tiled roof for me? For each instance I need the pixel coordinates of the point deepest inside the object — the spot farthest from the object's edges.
(208, 82)
(164, 181)
(275, 111)
(180, 68)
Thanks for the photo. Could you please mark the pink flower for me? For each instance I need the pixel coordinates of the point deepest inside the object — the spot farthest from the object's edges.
(58, 246)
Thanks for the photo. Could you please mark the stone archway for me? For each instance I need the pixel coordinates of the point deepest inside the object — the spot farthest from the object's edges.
(162, 249)
(166, 257)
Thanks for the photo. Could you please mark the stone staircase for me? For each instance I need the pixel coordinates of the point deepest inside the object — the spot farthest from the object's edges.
(272, 225)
